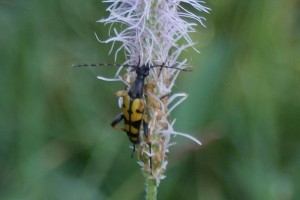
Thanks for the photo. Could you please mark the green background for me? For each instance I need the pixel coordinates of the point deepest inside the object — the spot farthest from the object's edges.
(244, 105)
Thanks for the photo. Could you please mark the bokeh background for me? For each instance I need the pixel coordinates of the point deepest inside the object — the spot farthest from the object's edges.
(56, 142)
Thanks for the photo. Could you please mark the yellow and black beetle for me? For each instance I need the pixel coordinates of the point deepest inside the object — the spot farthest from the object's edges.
(133, 106)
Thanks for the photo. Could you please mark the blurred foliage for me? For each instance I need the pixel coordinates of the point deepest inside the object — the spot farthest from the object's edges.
(244, 104)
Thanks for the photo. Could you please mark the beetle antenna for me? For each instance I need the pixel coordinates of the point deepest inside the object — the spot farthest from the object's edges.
(100, 65)
(164, 66)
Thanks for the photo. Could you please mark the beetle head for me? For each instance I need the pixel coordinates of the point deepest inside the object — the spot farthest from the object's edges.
(143, 70)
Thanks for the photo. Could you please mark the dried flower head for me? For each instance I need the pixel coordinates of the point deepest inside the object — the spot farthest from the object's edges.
(154, 32)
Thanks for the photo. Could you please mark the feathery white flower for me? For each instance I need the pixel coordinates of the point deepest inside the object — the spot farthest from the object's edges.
(154, 32)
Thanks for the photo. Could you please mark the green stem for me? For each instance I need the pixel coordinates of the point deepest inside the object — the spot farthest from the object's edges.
(151, 188)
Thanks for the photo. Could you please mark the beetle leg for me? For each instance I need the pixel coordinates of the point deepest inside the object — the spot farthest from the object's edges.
(150, 158)
(121, 93)
(133, 150)
(116, 121)
(145, 128)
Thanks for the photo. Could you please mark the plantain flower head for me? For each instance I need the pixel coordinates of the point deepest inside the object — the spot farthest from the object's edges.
(154, 32)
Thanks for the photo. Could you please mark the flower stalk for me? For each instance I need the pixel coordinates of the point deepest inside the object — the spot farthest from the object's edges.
(154, 32)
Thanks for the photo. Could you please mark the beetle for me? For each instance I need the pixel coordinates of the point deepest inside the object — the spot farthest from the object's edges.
(133, 106)
(133, 103)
